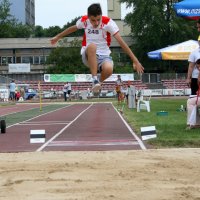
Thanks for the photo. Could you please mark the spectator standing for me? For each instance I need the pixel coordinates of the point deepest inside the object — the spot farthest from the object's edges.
(193, 77)
(12, 88)
(118, 86)
(65, 87)
(69, 89)
(88, 93)
(125, 90)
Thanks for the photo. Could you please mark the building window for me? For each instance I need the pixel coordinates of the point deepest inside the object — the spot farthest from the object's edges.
(10, 59)
(27, 59)
(42, 59)
(36, 60)
(18, 59)
(4, 60)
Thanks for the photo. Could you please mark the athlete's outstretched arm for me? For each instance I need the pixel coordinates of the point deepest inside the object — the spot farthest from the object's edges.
(66, 32)
(136, 64)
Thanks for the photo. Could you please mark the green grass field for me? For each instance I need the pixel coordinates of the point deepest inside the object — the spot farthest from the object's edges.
(171, 129)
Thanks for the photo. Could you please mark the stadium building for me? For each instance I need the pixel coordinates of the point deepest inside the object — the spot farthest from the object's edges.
(35, 51)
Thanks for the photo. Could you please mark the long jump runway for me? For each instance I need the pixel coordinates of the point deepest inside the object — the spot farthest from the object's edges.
(78, 127)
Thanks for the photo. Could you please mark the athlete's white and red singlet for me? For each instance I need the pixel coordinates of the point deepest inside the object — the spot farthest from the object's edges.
(101, 36)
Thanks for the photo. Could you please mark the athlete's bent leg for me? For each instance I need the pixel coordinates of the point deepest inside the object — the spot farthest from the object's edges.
(92, 63)
(92, 58)
(107, 70)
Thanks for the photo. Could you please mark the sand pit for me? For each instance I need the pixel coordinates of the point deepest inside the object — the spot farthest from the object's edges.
(141, 175)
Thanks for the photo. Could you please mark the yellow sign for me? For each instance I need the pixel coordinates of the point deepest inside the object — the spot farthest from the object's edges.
(175, 55)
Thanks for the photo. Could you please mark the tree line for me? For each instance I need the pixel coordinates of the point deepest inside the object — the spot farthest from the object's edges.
(154, 25)
(10, 27)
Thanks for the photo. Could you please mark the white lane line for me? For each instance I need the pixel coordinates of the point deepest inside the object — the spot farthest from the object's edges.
(39, 124)
(130, 129)
(46, 122)
(49, 123)
(62, 130)
(92, 143)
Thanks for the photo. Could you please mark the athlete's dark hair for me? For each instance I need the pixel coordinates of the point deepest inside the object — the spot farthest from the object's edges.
(198, 21)
(94, 10)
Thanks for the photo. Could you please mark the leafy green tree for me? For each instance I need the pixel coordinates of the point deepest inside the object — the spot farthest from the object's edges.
(52, 31)
(5, 11)
(9, 26)
(73, 22)
(39, 31)
(6, 20)
(154, 25)
(20, 30)
(66, 60)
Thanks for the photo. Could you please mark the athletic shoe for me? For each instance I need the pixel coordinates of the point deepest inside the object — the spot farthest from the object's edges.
(96, 86)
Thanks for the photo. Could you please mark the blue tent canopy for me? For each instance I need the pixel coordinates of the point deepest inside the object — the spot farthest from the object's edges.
(157, 54)
(189, 9)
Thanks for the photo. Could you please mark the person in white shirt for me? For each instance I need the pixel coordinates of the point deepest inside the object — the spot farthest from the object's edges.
(12, 88)
(69, 89)
(95, 50)
(193, 72)
(193, 119)
(65, 88)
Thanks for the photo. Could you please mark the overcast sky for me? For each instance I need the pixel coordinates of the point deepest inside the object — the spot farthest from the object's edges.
(59, 12)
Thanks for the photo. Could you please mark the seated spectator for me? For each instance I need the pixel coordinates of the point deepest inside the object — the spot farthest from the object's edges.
(17, 95)
(22, 92)
(192, 103)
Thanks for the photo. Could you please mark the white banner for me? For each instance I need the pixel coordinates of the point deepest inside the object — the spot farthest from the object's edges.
(19, 67)
(4, 93)
(113, 77)
(47, 77)
(124, 77)
(83, 77)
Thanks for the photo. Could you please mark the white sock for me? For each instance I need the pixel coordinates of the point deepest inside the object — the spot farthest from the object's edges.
(99, 78)
(94, 77)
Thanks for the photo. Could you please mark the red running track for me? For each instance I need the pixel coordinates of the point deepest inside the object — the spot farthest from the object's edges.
(79, 127)
(6, 110)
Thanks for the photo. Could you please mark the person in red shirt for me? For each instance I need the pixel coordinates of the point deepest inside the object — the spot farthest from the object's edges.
(17, 95)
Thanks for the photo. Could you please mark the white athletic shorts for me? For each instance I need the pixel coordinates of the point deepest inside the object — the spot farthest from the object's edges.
(100, 60)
